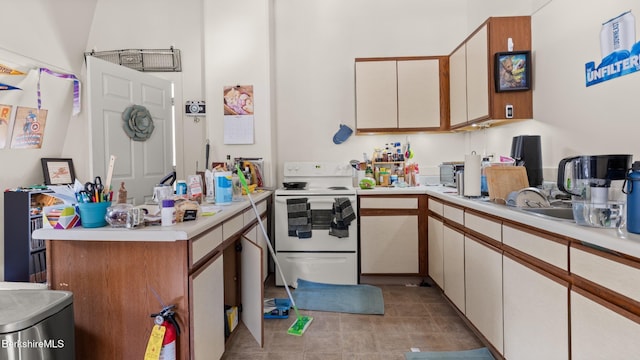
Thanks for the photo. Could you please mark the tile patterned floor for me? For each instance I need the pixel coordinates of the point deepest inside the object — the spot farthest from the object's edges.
(416, 317)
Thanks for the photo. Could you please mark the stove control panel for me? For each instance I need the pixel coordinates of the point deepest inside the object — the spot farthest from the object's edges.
(317, 169)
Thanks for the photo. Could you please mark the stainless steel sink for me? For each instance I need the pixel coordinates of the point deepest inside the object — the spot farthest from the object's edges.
(564, 213)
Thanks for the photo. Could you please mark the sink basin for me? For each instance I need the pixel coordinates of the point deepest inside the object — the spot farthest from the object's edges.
(564, 213)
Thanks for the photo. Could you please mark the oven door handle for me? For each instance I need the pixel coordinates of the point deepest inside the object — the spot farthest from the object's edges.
(311, 200)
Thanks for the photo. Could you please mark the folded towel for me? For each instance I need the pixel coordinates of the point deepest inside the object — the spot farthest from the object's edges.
(299, 217)
(343, 215)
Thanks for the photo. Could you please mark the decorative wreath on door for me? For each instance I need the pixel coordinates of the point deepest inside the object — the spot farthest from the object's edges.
(137, 123)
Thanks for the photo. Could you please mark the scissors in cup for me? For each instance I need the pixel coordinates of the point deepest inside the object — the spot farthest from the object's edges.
(95, 189)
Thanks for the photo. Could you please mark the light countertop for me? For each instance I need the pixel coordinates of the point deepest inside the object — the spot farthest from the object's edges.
(605, 238)
(180, 231)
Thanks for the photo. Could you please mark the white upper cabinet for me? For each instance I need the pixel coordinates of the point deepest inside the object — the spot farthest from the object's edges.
(399, 94)
(376, 95)
(418, 93)
(477, 79)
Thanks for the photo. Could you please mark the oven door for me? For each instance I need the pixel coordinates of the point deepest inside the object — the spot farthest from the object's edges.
(323, 267)
(321, 216)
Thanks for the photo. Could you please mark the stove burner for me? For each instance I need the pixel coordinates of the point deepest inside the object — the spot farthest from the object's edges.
(338, 188)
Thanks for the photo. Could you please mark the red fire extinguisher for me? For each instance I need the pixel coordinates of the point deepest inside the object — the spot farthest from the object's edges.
(166, 319)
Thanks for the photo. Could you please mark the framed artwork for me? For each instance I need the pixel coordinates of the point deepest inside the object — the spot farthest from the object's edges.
(512, 71)
(58, 171)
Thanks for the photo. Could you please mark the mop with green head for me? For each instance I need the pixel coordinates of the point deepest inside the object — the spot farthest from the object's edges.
(302, 322)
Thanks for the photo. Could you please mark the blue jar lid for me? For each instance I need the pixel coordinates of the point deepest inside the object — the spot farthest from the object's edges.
(168, 203)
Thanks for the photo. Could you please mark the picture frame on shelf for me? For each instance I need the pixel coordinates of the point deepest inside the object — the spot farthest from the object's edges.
(512, 71)
(58, 171)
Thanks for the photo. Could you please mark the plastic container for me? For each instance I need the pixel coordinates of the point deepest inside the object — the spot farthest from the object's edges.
(181, 187)
(168, 212)
(223, 187)
(92, 215)
(609, 214)
(633, 199)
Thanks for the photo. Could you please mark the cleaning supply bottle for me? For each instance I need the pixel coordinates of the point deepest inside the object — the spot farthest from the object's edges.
(633, 199)
(484, 187)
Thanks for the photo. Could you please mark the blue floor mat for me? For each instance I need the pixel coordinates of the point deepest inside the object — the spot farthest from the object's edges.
(476, 354)
(354, 299)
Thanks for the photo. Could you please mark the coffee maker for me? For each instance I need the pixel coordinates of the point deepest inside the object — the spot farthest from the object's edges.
(526, 150)
(595, 184)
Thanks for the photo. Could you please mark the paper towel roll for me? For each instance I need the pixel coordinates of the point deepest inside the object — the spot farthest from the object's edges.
(472, 175)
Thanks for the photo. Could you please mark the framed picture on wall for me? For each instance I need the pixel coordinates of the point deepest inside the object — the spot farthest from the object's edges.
(513, 71)
(58, 171)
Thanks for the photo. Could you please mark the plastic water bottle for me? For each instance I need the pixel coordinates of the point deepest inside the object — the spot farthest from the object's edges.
(168, 212)
(633, 199)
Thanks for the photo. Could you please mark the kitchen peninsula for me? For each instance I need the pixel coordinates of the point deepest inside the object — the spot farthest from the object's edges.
(119, 277)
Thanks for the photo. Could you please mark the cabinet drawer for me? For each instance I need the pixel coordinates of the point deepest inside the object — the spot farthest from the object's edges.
(483, 226)
(205, 244)
(454, 214)
(250, 215)
(549, 251)
(232, 226)
(436, 206)
(389, 203)
(614, 275)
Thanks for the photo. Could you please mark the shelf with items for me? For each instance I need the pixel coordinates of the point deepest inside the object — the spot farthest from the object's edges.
(24, 257)
(387, 172)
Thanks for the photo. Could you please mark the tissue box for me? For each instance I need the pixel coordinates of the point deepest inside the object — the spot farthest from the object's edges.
(60, 217)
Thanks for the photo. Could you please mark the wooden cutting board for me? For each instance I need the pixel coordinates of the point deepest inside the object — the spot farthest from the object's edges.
(502, 180)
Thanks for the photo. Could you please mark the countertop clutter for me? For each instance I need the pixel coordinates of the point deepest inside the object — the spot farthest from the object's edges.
(179, 231)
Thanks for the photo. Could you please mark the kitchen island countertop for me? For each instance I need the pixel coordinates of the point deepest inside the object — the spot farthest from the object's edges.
(607, 239)
(180, 231)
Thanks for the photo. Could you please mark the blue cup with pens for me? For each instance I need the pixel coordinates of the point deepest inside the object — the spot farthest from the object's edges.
(93, 202)
(93, 214)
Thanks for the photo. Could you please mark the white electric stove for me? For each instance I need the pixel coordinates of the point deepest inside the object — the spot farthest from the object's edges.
(311, 242)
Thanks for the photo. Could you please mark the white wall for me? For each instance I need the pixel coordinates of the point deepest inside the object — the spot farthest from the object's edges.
(36, 34)
(316, 43)
(237, 43)
(571, 118)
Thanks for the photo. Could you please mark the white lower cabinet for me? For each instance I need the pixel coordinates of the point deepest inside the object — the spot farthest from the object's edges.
(598, 332)
(389, 244)
(483, 289)
(453, 249)
(536, 314)
(207, 313)
(436, 253)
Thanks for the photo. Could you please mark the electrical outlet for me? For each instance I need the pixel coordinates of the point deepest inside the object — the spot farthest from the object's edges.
(509, 111)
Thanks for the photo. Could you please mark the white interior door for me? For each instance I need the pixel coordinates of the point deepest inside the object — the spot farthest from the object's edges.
(140, 164)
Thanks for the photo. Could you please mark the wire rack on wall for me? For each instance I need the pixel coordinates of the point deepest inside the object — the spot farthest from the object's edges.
(150, 60)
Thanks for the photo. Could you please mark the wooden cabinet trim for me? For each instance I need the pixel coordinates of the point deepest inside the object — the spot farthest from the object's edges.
(558, 275)
(454, 228)
(630, 312)
(401, 58)
(609, 255)
(484, 241)
(444, 93)
(484, 215)
(538, 232)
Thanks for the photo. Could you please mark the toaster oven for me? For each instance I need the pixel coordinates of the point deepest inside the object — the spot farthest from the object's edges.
(448, 172)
